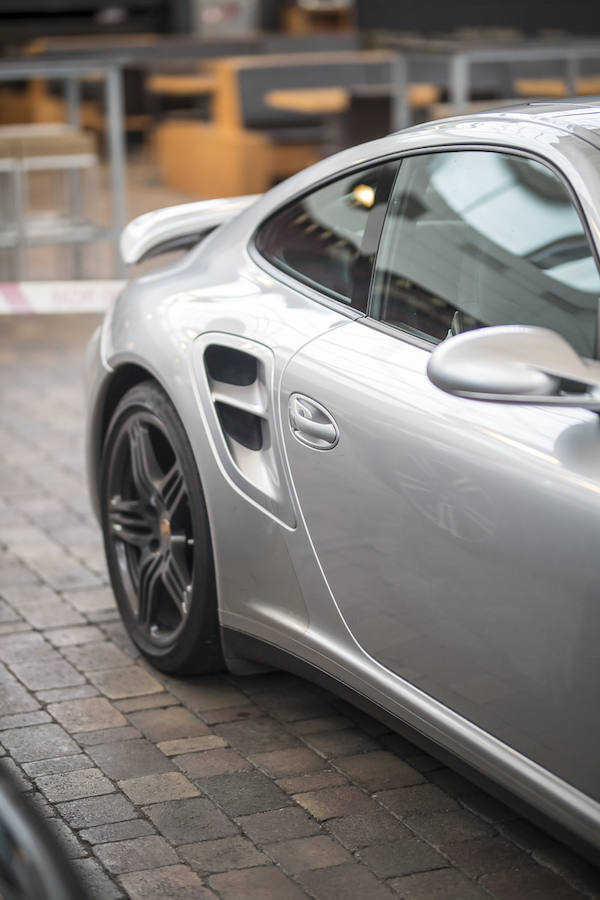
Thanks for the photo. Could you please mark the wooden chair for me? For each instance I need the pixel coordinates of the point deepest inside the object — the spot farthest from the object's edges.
(250, 143)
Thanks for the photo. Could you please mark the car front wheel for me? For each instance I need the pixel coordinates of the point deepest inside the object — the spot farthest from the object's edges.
(156, 535)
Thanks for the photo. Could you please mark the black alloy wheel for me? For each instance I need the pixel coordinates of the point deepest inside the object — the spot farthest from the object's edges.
(156, 535)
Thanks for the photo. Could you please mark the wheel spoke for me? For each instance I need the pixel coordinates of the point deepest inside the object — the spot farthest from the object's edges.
(129, 522)
(149, 580)
(145, 469)
(175, 574)
(172, 489)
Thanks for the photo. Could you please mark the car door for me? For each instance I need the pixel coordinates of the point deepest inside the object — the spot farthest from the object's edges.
(459, 538)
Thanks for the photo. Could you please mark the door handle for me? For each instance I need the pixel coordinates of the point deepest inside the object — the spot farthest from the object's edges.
(311, 423)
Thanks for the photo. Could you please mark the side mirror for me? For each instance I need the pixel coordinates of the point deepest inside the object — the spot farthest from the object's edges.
(515, 364)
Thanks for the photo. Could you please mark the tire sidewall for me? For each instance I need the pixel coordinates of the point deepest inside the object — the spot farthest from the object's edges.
(197, 647)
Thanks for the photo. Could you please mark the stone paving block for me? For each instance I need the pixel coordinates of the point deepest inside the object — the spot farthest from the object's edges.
(16, 627)
(231, 713)
(117, 831)
(488, 807)
(6, 677)
(73, 785)
(422, 798)
(262, 883)
(452, 783)
(223, 855)
(194, 819)
(443, 827)
(51, 615)
(532, 882)
(294, 761)
(402, 857)
(211, 763)
(56, 765)
(29, 595)
(135, 855)
(92, 811)
(7, 614)
(379, 770)
(127, 682)
(87, 715)
(278, 825)
(17, 574)
(129, 759)
(65, 576)
(150, 701)
(206, 692)
(73, 636)
(96, 655)
(260, 735)
(376, 827)
(67, 841)
(15, 699)
(244, 793)
(183, 746)
(333, 802)
(302, 784)
(485, 855)
(38, 742)
(91, 600)
(97, 883)
(526, 835)
(56, 695)
(351, 881)
(443, 884)
(107, 735)
(47, 674)
(318, 852)
(25, 646)
(158, 788)
(343, 742)
(320, 724)
(115, 632)
(570, 866)
(21, 720)
(168, 724)
(166, 883)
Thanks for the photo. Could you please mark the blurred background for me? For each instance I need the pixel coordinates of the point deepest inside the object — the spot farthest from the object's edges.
(112, 108)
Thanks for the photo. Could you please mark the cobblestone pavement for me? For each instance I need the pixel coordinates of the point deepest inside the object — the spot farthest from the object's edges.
(217, 787)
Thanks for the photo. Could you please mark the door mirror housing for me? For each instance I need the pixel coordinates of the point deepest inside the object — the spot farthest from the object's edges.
(515, 364)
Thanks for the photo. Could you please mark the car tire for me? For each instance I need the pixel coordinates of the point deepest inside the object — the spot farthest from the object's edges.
(157, 536)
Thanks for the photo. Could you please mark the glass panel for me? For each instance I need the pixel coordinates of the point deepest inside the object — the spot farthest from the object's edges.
(478, 238)
(323, 238)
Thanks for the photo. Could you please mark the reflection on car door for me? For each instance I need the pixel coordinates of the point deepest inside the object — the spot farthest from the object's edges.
(459, 540)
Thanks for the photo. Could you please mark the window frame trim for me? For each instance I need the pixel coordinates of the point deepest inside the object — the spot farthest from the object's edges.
(506, 149)
(320, 295)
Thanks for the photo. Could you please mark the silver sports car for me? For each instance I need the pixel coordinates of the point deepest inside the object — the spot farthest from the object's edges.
(354, 433)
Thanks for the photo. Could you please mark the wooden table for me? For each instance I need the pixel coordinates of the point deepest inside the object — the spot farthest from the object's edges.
(336, 100)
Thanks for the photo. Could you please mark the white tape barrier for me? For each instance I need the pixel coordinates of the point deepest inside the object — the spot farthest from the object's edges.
(57, 296)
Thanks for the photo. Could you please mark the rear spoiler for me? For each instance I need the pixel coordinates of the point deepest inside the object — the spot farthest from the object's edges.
(177, 227)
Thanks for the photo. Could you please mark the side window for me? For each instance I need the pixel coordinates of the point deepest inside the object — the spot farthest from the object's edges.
(328, 239)
(478, 238)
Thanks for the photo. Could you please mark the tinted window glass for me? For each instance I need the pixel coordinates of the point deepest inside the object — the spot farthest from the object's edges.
(479, 238)
(328, 239)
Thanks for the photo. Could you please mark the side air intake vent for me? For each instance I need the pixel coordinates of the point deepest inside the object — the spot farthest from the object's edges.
(230, 366)
(241, 426)
(235, 379)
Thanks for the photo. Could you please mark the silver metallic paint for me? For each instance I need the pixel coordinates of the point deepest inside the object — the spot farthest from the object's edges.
(516, 600)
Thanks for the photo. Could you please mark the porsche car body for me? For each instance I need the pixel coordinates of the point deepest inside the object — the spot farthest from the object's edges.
(433, 553)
